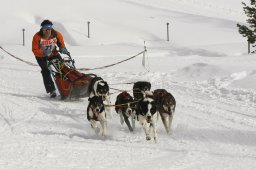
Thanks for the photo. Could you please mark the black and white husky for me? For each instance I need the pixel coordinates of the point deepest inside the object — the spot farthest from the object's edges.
(95, 113)
(99, 87)
(147, 115)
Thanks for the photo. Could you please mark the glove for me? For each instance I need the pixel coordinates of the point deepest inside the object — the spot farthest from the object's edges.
(64, 51)
(47, 52)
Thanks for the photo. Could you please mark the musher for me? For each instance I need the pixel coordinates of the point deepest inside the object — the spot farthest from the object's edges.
(44, 47)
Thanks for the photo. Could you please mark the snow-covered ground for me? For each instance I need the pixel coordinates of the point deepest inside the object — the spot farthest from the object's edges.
(205, 66)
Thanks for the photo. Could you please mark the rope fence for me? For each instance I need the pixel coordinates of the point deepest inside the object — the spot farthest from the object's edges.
(110, 65)
(27, 62)
(80, 69)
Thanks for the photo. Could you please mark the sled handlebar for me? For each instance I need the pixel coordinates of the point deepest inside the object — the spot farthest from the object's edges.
(69, 60)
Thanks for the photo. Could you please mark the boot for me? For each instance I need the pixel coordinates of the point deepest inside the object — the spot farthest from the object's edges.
(53, 94)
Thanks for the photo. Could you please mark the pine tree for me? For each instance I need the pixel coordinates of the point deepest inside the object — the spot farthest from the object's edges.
(250, 30)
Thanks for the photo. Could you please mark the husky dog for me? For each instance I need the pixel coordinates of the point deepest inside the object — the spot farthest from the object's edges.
(166, 104)
(139, 89)
(96, 112)
(99, 87)
(125, 107)
(147, 115)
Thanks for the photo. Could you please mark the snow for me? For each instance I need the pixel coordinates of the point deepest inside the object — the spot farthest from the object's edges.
(205, 66)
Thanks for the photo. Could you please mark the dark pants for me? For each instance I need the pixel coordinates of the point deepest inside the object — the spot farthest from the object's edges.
(48, 82)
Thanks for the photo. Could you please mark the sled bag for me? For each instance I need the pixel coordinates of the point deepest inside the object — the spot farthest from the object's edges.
(72, 83)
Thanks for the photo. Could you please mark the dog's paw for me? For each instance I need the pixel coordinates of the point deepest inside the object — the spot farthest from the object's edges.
(168, 131)
(103, 135)
(122, 122)
(97, 130)
(131, 129)
(121, 119)
(155, 139)
(148, 138)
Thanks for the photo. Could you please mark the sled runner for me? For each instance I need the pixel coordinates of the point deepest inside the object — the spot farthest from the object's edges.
(70, 82)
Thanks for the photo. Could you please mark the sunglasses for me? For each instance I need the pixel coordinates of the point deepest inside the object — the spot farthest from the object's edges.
(47, 29)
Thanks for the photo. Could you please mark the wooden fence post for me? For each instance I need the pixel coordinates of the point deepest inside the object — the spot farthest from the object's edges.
(88, 24)
(23, 35)
(167, 31)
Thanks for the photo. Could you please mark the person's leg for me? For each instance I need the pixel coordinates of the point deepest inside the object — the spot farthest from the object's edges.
(48, 83)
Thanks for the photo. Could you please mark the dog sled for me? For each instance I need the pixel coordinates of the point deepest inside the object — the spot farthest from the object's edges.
(69, 81)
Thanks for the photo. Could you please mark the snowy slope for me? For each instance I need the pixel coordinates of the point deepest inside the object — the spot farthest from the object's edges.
(205, 67)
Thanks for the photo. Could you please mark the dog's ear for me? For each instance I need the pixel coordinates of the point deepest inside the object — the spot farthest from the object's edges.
(106, 84)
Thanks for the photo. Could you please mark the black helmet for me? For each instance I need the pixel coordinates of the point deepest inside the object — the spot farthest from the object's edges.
(46, 24)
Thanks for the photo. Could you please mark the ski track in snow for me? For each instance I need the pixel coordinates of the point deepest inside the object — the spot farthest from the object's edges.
(212, 8)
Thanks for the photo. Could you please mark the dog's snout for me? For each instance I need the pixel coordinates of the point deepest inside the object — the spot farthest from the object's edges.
(129, 111)
(148, 117)
(97, 110)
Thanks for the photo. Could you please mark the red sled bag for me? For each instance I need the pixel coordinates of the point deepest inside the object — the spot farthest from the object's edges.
(70, 82)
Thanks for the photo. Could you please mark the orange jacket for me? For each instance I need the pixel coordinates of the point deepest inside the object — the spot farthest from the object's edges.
(39, 44)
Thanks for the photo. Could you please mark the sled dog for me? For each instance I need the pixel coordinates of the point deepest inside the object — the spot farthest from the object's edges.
(165, 104)
(125, 107)
(95, 113)
(139, 89)
(99, 87)
(147, 115)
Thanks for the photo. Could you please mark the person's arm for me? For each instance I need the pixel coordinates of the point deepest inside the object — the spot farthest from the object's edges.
(60, 38)
(36, 46)
(61, 44)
